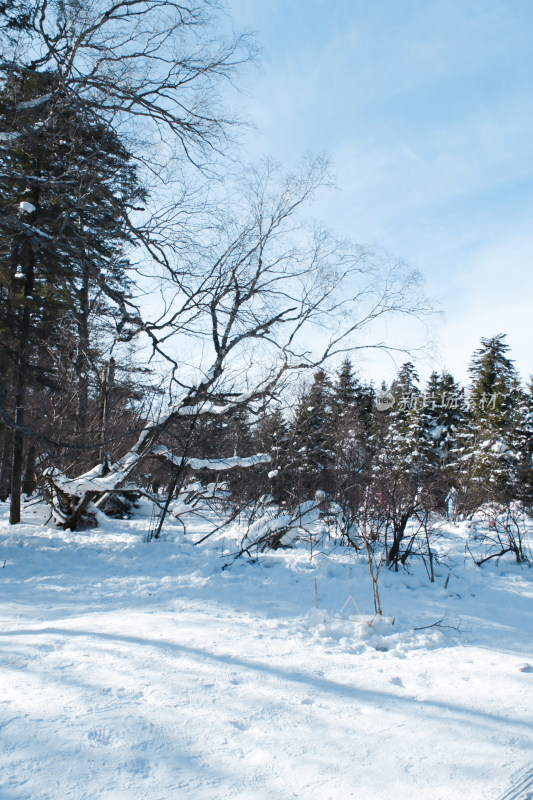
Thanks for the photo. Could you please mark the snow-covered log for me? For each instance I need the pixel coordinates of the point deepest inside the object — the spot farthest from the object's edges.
(71, 499)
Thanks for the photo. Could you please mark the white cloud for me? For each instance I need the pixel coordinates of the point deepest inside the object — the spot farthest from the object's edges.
(426, 110)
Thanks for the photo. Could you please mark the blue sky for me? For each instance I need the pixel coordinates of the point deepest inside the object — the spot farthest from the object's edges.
(426, 111)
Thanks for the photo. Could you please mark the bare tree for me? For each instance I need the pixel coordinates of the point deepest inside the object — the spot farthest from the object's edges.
(146, 72)
(152, 67)
(260, 298)
(505, 529)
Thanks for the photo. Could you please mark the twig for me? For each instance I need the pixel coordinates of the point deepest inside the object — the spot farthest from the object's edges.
(438, 624)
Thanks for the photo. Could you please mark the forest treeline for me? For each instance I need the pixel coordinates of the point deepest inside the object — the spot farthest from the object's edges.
(394, 455)
(410, 445)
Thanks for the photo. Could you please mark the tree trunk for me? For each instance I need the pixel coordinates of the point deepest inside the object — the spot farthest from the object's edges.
(5, 465)
(108, 379)
(82, 360)
(21, 376)
(398, 533)
(28, 485)
(18, 437)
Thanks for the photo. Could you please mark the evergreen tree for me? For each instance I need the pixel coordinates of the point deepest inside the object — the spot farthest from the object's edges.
(351, 400)
(271, 436)
(312, 439)
(402, 481)
(443, 414)
(496, 402)
(524, 446)
(66, 186)
(352, 408)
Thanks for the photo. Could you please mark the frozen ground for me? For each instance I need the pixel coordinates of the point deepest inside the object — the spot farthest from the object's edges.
(131, 670)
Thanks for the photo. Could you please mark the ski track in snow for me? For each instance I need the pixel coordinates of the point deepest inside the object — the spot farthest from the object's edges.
(521, 787)
(144, 671)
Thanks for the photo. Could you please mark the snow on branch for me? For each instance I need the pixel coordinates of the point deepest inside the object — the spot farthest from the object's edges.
(26, 208)
(92, 481)
(210, 407)
(9, 136)
(215, 464)
(36, 101)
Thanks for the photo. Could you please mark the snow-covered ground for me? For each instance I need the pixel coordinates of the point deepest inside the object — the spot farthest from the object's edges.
(134, 670)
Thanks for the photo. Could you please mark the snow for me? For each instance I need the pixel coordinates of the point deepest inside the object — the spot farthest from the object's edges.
(437, 432)
(144, 670)
(233, 462)
(36, 101)
(26, 208)
(214, 464)
(9, 136)
(499, 447)
(207, 407)
(33, 229)
(91, 481)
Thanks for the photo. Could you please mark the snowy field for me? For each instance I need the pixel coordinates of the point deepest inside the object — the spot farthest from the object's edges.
(143, 671)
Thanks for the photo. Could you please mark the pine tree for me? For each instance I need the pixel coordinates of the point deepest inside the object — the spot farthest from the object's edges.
(352, 408)
(312, 439)
(66, 187)
(495, 400)
(524, 446)
(351, 400)
(444, 416)
(271, 435)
